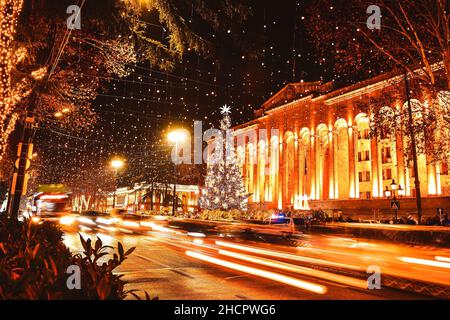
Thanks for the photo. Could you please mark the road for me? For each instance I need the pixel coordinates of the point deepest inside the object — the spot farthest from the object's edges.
(172, 263)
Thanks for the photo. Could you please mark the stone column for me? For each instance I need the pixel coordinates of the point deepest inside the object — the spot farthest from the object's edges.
(352, 165)
(332, 191)
(318, 166)
(374, 167)
(431, 177)
(281, 170)
(301, 169)
(438, 179)
(296, 172)
(255, 167)
(313, 166)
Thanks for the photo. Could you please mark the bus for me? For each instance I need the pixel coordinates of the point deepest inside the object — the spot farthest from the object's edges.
(51, 200)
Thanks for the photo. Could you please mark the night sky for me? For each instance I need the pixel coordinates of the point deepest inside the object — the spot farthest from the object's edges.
(135, 111)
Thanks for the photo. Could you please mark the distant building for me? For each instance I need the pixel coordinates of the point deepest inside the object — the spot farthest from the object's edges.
(143, 198)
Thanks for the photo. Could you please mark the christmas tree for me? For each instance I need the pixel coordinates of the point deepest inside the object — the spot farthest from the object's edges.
(224, 183)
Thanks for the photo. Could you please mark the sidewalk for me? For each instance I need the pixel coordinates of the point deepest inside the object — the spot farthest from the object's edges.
(406, 234)
(400, 227)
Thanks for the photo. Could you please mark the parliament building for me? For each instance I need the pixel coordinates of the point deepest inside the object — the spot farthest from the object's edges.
(310, 147)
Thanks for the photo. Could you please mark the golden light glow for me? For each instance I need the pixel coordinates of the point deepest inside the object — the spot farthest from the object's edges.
(66, 221)
(283, 255)
(176, 136)
(426, 262)
(297, 269)
(117, 163)
(309, 286)
(35, 219)
(39, 74)
(9, 57)
(131, 224)
(445, 259)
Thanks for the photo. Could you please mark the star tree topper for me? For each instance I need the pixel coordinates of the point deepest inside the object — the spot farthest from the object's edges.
(225, 110)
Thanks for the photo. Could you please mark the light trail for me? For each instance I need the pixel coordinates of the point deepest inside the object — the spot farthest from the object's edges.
(440, 258)
(131, 224)
(425, 262)
(297, 269)
(196, 234)
(284, 255)
(309, 286)
(86, 220)
(316, 250)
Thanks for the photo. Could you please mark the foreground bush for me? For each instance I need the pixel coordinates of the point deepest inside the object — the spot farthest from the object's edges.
(34, 262)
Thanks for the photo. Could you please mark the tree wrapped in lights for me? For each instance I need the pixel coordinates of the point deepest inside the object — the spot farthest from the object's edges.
(224, 183)
(9, 57)
(34, 78)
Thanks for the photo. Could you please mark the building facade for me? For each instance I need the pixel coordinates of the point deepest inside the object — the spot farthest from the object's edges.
(310, 146)
(142, 197)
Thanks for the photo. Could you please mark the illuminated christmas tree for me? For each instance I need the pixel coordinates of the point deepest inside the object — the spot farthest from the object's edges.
(224, 183)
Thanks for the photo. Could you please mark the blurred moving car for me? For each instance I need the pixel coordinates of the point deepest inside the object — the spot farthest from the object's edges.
(279, 226)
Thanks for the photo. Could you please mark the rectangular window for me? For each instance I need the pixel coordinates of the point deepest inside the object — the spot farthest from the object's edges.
(364, 176)
(386, 155)
(444, 168)
(365, 195)
(387, 174)
(363, 156)
(363, 134)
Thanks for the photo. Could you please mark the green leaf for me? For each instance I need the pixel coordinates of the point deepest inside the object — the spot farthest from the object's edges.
(98, 244)
(135, 295)
(120, 249)
(130, 251)
(83, 242)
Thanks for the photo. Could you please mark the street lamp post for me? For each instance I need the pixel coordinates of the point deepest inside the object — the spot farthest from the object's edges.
(391, 195)
(175, 137)
(116, 164)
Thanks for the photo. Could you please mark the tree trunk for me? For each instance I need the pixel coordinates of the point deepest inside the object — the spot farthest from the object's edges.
(446, 59)
(151, 197)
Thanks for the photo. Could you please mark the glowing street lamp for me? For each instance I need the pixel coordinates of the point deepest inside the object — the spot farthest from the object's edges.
(394, 185)
(175, 136)
(116, 164)
(387, 193)
(394, 188)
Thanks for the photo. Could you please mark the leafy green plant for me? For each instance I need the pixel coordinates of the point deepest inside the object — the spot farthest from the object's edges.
(34, 261)
(98, 280)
